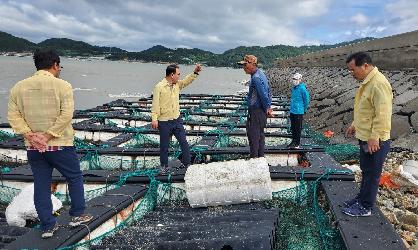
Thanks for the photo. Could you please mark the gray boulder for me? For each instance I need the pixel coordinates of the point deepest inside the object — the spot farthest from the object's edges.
(400, 126)
(414, 121)
(406, 97)
(411, 167)
(396, 109)
(347, 96)
(348, 118)
(396, 77)
(410, 107)
(410, 142)
(325, 103)
(404, 87)
(343, 108)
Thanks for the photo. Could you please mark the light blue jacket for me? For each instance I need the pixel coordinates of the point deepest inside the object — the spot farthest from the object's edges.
(299, 99)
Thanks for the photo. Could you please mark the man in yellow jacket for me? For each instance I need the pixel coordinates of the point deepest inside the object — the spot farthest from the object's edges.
(41, 110)
(371, 126)
(165, 112)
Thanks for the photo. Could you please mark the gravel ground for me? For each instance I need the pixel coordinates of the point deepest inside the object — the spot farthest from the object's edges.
(400, 205)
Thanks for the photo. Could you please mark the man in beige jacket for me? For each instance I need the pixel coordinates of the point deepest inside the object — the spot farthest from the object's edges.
(371, 126)
(41, 109)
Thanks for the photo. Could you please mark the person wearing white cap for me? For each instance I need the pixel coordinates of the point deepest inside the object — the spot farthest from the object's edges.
(259, 106)
(299, 103)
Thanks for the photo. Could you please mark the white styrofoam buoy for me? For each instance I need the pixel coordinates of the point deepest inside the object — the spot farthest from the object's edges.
(409, 170)
(228, 182)
(22, 207)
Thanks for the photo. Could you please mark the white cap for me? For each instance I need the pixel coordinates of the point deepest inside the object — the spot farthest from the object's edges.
(297, 76)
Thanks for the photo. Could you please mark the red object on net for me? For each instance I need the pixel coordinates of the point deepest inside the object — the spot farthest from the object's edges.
(386, 181)
(328, 134)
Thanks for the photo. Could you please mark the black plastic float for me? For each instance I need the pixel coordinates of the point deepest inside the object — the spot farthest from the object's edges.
(249, 226)
(313, 172)
(8, 233)
(18, 144)
(372, 233)
(252, 226)
(102, 208)
(91, 127)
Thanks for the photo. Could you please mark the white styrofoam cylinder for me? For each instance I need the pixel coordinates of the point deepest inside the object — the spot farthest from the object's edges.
(282, 159)
(22, 207)
(228, 182)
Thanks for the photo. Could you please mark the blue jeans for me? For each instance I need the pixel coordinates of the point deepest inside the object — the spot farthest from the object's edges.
(42, 165)
(167, 129)
(371, 168)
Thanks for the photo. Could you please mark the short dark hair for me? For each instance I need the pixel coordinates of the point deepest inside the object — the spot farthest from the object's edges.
(360, 58)
(171, 69)
(45, 59)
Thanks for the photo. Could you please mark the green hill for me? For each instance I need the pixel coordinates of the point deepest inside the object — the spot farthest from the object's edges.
(64, 46)
(11, 43)
(67, 47)
(160, 53)
(266, 55)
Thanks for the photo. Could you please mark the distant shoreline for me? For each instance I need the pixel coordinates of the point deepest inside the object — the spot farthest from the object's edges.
(101, 58)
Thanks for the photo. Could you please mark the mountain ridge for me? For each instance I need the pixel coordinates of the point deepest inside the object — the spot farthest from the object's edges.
(158, 53)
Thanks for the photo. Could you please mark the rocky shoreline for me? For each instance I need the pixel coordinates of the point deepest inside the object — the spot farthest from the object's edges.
(332, 97)
(399, 205)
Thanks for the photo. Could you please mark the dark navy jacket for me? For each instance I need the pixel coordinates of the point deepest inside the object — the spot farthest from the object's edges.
(259, 94)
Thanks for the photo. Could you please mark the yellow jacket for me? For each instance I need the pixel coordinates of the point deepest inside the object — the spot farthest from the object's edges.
(165, 100)
(43, 103)
(373, 107)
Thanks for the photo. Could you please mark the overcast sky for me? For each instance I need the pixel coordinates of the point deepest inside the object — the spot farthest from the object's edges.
(212, 25)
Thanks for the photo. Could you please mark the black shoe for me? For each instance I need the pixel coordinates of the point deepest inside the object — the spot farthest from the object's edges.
(182, 166)
(291, 145)
(165, 169)
(357, 210)
(349, 203)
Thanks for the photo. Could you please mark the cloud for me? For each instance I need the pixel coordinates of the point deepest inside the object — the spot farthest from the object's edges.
(370, 18)
(370, 31)
(403, 17)
(359, 19)
(135, 25)
(215, 25)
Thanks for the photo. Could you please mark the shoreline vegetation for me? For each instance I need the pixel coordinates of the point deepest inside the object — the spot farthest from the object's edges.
(15, 46)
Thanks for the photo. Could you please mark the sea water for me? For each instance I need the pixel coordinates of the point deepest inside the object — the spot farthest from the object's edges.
(100, 81)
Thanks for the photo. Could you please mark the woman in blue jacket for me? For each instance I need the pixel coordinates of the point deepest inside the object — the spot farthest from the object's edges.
(299, 103)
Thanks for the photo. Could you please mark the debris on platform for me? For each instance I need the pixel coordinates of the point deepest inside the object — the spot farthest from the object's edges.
(22, 207)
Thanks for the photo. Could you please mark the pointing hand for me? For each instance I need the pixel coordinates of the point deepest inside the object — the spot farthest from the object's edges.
(198, 68)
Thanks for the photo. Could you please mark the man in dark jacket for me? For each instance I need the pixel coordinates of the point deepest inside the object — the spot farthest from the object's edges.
(259, 105)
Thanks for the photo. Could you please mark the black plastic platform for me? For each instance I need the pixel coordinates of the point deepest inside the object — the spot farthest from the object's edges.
(102, 208)
(371, 233)
(309, 173)
(208, 151)
(9, 233)
(248, 226)
(314, 172)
